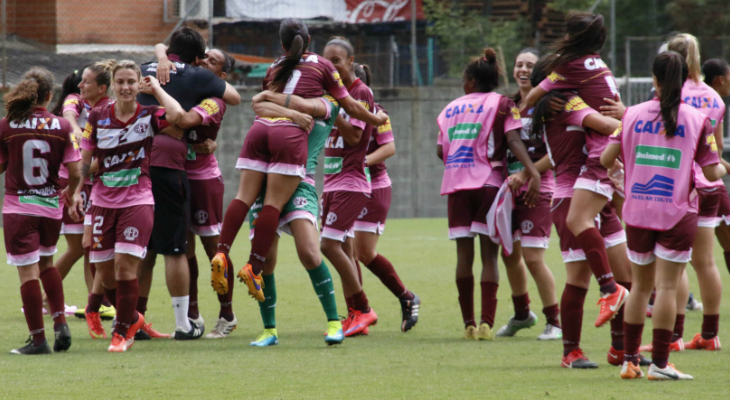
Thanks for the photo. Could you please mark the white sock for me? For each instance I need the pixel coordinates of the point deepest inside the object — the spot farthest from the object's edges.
(180, 306)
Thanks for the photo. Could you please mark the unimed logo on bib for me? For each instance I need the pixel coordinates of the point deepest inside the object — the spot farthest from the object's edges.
(464, 131)
(655, 156)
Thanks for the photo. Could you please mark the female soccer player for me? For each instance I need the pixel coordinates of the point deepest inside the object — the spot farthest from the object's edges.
(578, 66)
(120, 135)
(660, 141)
(472, 158)
(370, 224)
(531, 225)
(33, 145)
(275, 151)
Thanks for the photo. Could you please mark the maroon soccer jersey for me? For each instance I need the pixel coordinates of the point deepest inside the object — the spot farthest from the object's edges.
(344, 165)
(34, 150)
(123, 150)
(379, 136)
(205, 166)
(313, 77)
(588, 75)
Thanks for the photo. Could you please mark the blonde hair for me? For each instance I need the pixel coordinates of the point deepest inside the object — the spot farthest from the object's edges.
(689, 48)
(103, 71)
(127, 64)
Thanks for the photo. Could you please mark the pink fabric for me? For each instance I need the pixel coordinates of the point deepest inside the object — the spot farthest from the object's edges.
(381, 135)
(499, 219)
(205, 166)
(13, 205)
(81, 108)
(658, 171)
(316, 76)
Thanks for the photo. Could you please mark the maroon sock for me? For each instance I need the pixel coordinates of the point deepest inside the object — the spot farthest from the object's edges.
(94, 303)
(53, 286)
(632, 341)
(617, 324)
(106, 302)
(360, 302)
(266, 225)
(232, 221)
(522, 306)
(383, 269)
(226, 300)
(552, 314)
(678, 328)
(30, 293)
(193, 307)
(727, 259)
(660, 344)
(489, 302)
(142, 304)
(591, 241)
(710, 326)
(465, 286)
(127, 296)
(571, 316)
(111, 295)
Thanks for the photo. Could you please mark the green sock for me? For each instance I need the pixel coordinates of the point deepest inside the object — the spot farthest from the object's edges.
(325, 290)
(268, 307)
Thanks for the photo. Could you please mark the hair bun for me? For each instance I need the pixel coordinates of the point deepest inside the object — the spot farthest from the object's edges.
(490, 55)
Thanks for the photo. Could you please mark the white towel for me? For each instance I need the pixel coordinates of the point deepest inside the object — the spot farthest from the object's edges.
(499, 219)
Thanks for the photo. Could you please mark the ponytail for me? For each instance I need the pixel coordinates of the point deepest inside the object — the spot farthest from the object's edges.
(688, 47)
(670, 70)
(30, 93)
(362, 72)
(484, 71)
(294, 37)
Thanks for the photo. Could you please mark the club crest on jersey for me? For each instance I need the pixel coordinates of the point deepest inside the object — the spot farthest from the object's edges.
(131, 233)
(36, 123)
(201, 216)
(141, 128)
(300, 202)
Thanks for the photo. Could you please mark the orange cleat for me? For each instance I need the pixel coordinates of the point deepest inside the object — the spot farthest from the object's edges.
(255, 283)
(630, 371)
(698, 343)
(220, 266)
(673, 347)
(96, 329)
(133, 330)
(360, 321)
(147, 328)
(118, 345)
(610, 304)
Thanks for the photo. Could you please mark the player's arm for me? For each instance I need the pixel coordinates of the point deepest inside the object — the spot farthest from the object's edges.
(601, 124)
(231, 95)
(164, 65)
(173, 110)
(267, 109)
(535, 94)
(610, 154)
(358, 111)
(440, 152)
(350, 133)
(383, 153)
(190, 119)
(71, 117)
(313, 107)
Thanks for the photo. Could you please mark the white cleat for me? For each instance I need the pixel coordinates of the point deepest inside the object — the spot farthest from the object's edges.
(669, 373)
(222, 328)
(551, 332)
(69, 310)
(514, 325)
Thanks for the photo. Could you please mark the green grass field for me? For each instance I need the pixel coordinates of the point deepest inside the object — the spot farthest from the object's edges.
(431, 361)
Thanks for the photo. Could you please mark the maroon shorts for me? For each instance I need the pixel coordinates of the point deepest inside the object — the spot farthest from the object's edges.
(373, 215)
(206, 206)
(468, 211)
(69, 226)
(274, 148)
(531, 226)
(723, 212)
(673, 245)
(339, 211)
(606, 221)
(119, 230)
(594, 177)
(28, 238)
(708, 206)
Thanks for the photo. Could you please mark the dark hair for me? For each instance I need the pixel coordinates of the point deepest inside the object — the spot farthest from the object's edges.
(484, 71)
(20, 101)
(586, 35)
(187, 44)
(342, 42)
(714, 67)
(670, 70)
(543, 109)
(362, 71)
(294, 36)
(70, 86)
(228, 62)
(517, 97)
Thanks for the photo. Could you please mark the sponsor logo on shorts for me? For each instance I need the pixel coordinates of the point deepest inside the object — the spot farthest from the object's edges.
(527, 226)
(464, 131)
(659, 185)
(201, 216)
(655, 156)
(131, 233)
(300, 202)
(331, 218)
(463, 157)
(363, 213)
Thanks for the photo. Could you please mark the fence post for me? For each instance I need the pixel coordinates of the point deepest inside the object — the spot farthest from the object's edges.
(628, 72)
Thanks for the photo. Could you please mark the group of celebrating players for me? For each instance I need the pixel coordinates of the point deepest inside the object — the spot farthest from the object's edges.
(128, 178)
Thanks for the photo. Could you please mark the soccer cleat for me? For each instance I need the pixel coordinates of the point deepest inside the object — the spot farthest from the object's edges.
(576, 359)
(195, 332)
(630, 371)
(610, 304)
(345, 320)
(485, 332)
(616, 357)
(551, 332)
(31, 350)
(199, 322)
(133, 329)
(118, 344)
(649, 310)
(471, 333)
(219, 267)
(147, 328)
(335, 334)
(80, 313)
(677, 345)
(698, 343)
(409, 309)
(359, 321)
(62, 338)
(96, 329)
(514, 325)
(693, 304)
(269, 337)
(255, 283)
(223, 328)
(69, 310)
(141, 335)
(107, 313)
(668, 373)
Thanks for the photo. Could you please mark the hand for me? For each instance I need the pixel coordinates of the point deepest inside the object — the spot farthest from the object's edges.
(557, 105)
(614, 109)
(75, 207)
(263, 96)
(533, 192)
(616, 174)
(516, 181)
(149, 85)
(163, 71)
(306, 122)
(173, 131)
(77, 134)
(382, 116)
(207, 147)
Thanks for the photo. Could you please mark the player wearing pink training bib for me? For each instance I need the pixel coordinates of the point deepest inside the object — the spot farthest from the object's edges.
(475, 131)
(660, 141)
(120, 136)
(578, 66)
